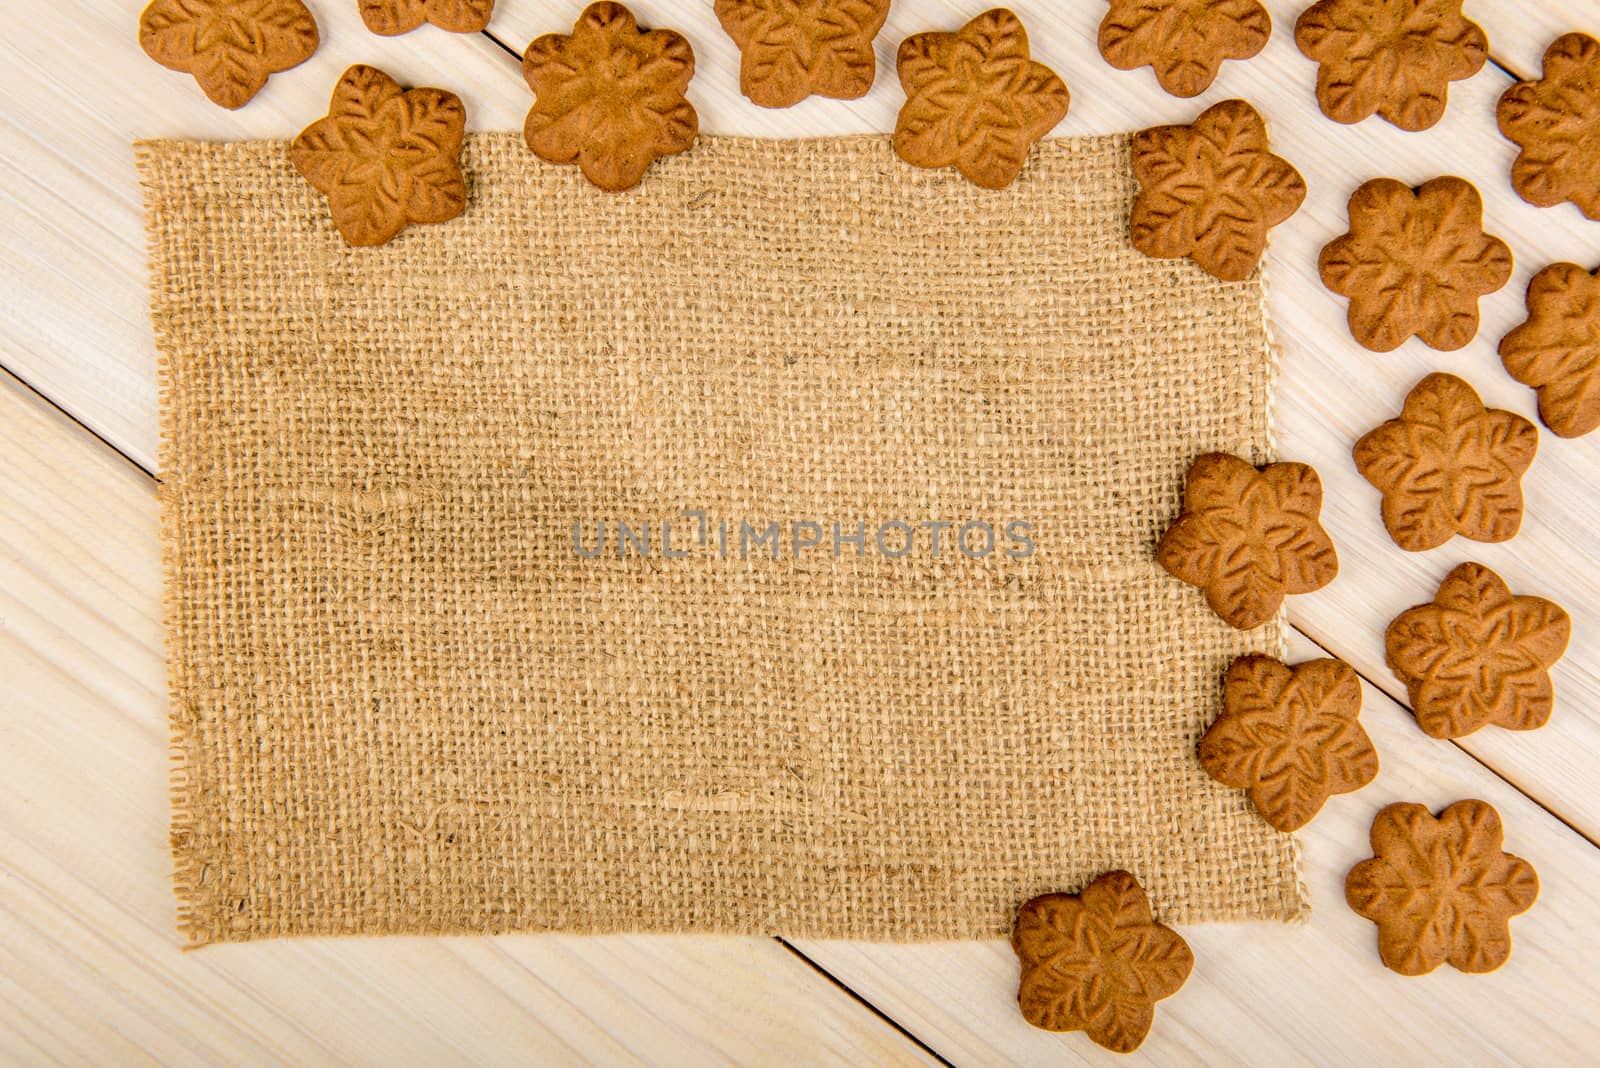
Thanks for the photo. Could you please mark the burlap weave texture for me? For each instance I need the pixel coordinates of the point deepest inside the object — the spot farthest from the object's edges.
(403, 702)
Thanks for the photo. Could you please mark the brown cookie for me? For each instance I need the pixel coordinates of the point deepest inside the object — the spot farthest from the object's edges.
(975, 100)
(385, 156)
(1291, 736)
(1211, 190)
(1448, 466)
(1478, 655)
(1556, 350)
(1440, 889)
(1097, 962)
(1184, 41)
(790, 49)
(610, 96)
(1247, 537)
(1393, 57)
(391, 17)
(230, 46)
(1415, 262)
(1556, 123)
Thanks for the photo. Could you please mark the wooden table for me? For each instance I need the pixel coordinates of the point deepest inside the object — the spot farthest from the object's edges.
(90, 970)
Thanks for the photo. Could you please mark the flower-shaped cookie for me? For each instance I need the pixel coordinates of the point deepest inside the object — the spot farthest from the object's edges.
(1448, 466)
(1556, 123)
(230, 46)
(1291, 736)
(975, 100)
(1557, 349)
(386, 157)
(790, 49)
(1478, 655)
(1393, 57)
(1440, 889)
(1210, 191)
(1415, 262)
(390, 17)
(1248, 537)
(609, 96)
(1185, 41)
(1098, 962)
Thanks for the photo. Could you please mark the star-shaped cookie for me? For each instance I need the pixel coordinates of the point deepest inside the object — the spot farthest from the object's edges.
(1556, 350)
(230, 46)
(1211, 190)
(1248, 537)
(1448, 466)
(975, 100)
(1184, 41)
(1292, 736)
(610, 96)
(1393, 57)
(1097, 962)
(790, 49)
(1478, 655)
(1415, 262)
(385, 156)
(391, 17)
(1440, 889)
(1556, 123)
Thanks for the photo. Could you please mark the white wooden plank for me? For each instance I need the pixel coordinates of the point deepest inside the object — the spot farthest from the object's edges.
(1305, 994)
(76, 90)
(90, 966)
(1332, 391)
(1519, 33)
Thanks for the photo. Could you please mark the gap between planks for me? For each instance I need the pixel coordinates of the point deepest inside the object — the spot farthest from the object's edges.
(508, 49)
(1402, 699)
(75, 421)
(861, 999)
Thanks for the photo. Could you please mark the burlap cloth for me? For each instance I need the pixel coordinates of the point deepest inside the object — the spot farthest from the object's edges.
(403, 702)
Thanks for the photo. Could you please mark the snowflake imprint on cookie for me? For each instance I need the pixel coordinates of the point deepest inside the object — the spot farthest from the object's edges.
(1097, 962)
(1448, 466)
(1477, 654)
(1439, 889)
(1212, 190)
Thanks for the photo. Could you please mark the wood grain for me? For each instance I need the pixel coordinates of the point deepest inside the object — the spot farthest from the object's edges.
(1519, 34)
(76, 91)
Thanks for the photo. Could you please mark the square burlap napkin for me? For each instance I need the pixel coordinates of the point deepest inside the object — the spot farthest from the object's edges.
(434, 670)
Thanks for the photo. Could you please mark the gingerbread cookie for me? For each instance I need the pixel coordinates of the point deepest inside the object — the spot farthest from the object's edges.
(1415, 262)
(1184, 41)
(385, 156)
(1290, 736)
(1556, 123)
(1211, 190)
(610, 96)
(790, 49)
(1478, 655)
(1393, 57)
(230, 46)
(975, 100)
(1440, 889)
(1448, 466)
(391, 17)
(1557, 348)
(1247, 537)
(1097, 962)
